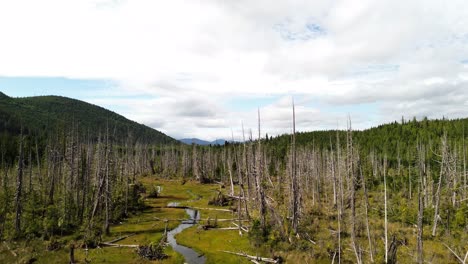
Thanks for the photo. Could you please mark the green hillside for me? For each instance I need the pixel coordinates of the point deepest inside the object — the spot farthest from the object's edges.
(49, 114)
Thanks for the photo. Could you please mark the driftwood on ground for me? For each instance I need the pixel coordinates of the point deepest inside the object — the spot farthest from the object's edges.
(120, 238)
(242, 227)
(199, 220)
(196, 208)
(256, 258)
(104, 244)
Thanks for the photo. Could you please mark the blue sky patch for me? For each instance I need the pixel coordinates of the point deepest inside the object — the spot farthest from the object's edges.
(36, 86)
(310, 30)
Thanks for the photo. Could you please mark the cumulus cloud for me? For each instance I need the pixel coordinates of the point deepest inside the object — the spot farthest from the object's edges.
(376, 60)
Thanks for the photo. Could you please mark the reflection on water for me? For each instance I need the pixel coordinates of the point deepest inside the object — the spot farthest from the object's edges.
(191, 257)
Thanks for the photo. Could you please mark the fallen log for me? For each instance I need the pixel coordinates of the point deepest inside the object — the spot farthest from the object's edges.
(307, 236)
(242, 227)
(256, 258)
(236, 197)
(212, 209)
(120, 238)
(226, 220)
(200, 220)
(195, 208)
(175, 207)
(117, 245)
(224, 228)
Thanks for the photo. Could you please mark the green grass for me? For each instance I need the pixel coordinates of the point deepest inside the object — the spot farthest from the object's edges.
(149, 227)
(319, 222)
(211, 242)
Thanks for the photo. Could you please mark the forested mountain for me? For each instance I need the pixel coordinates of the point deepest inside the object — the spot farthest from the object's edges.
(51, 114)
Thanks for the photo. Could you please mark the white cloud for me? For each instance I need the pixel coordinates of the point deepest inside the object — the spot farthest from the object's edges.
(188, 57)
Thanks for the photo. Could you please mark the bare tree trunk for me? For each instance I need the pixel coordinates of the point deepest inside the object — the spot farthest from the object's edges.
(420, 205)
(409, 178)
(332, 169)
(19, 188)
(245, 164)
(195, 170)
(229, 162)
(30, 172)
(437, 194)
(366, 207)
(259, 179)
(294, 181)
(420, 227)
(352, 180)
(38, 163)
(465, 183)
(385, 206)
(340, 193)
(107, 195)
(99, 183)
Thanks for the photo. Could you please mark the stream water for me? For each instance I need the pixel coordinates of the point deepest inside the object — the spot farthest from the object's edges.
(191, 256)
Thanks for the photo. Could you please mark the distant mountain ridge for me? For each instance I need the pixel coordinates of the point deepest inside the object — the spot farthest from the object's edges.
(50, 114)
(197, 141)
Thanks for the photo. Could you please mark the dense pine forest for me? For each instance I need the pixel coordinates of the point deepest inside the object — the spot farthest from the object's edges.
(394, 193)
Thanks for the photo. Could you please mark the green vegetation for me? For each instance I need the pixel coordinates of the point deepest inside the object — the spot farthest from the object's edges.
(397, 192)
(46, 115)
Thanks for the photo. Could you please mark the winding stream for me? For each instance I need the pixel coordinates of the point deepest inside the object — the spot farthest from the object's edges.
(191, 256)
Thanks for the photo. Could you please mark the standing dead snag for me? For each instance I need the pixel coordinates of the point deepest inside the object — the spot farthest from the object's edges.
(385, 206)
(107, 187)
(259, 179)
(443, 165)
(420, 206)
(366, 207)
(340, 195)
(294, 182)
(352, 180)
(19, 187)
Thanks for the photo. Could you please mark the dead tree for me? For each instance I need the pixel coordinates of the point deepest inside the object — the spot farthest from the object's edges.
(107, 192)
(352, 180)
(443, 165)
(19, 187)
(385, 207)
(195, 171)
(259, 179)
(340, 194)
(245, 167)
(229, 165)
(366, 207)
(465, 183)
(420, 206)
(294, 181)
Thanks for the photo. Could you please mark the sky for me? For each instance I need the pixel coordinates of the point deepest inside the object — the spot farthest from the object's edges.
(202, 68)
